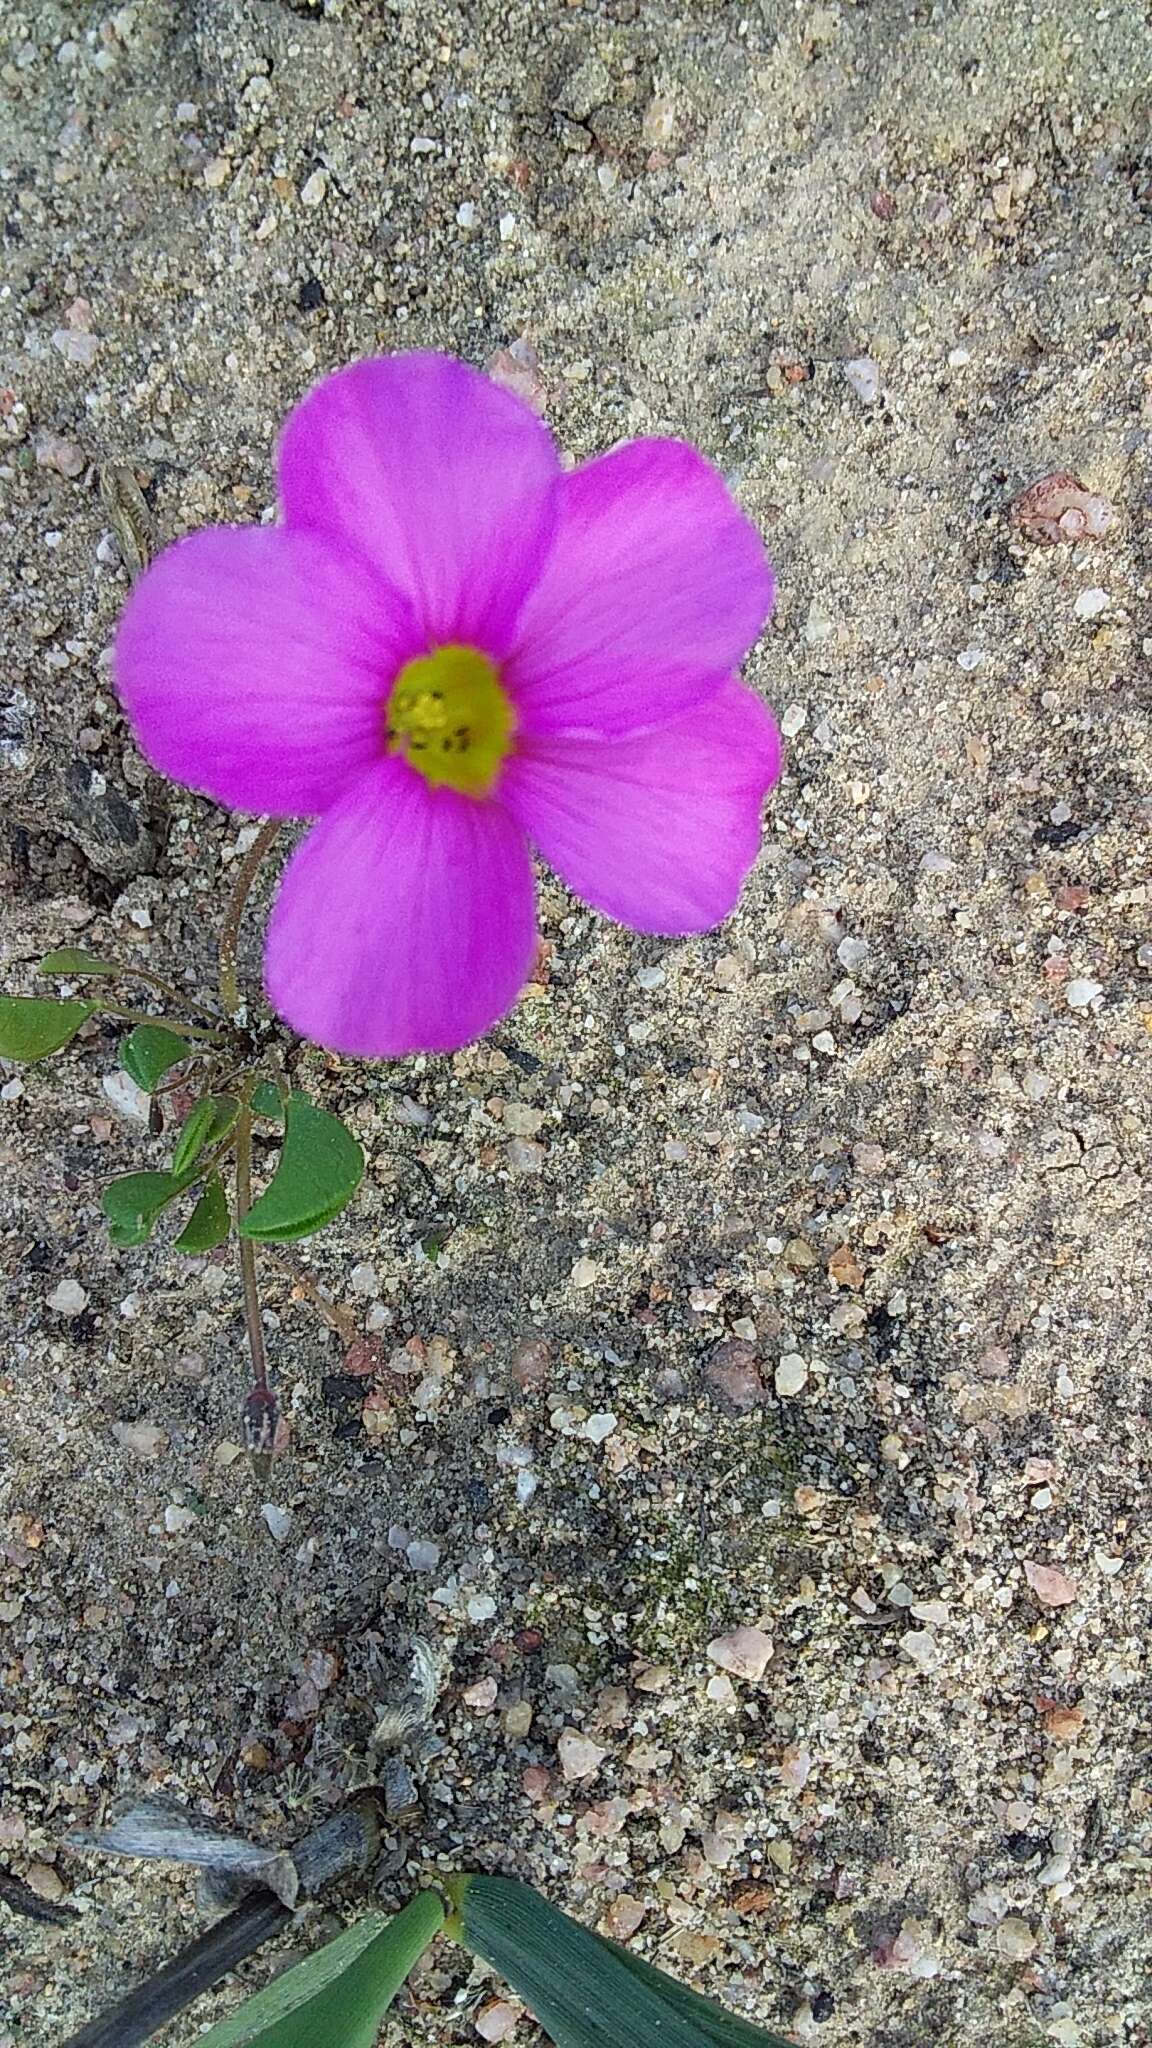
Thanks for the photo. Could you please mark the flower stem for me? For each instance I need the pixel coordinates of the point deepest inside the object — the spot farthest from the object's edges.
(230, 929)
(253, 1323)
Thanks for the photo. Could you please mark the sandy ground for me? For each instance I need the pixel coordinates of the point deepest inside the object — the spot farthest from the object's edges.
(889, 1126)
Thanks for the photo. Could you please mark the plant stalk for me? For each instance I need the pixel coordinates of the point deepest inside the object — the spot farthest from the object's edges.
(253, 1322)
(230, 928)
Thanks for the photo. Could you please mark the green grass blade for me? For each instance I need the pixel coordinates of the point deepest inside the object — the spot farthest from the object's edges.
(337, 1997)
(587, 1992)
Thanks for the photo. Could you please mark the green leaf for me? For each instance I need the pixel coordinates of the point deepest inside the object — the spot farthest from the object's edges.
(30, 1028)
(133, 1203)
(209, 1223)
(74, 960)
(320, 1169)
(587, 1992)
(266, 1102)
(148, 1052)
(205, 1127)
(339, 1995)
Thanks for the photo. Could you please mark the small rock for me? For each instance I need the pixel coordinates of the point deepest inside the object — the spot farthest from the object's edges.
(531, 1362)
(863, 375)
(68, 1299)
(45, 1882)
(819, 624)
(178, 1520)
(733, 1374)
(852, 953)
(525, 1156)
(496, 2021)
(481, 1607)
(422, 1555)
(794, 720)
(720, 1690)
(127, 1099)
(517, 369)
(1015, 1939)
(53, 451)
(919, 1646)
(516, 1720)
(362, 1279)
(143, 1439)
(1060, 508)
(1051, 1587)
(598, 1428)
(659, 124)
(1091, 603)
(579, 1756)
(791, 1374)
(744, 1652)
(795, 1767)
(585, 1273)
(314, 189)
(481, 1696)
(1081, 993)
(623, 1917)
(278, 1521)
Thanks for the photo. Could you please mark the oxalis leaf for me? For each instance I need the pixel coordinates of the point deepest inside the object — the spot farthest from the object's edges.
(205, 1127)
(586, 1992)
(320, 1168)
(338, 1996)
(31, 1027)
(133, 1203)
(209, 1223)
(148, 1052)
(74, 960)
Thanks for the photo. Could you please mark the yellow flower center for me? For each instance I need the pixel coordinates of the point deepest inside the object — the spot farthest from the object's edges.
(451, 718)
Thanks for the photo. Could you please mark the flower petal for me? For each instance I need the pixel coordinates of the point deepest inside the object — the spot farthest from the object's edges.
(405, 921)
(445, 482)
(255, 665)
(658, 830)
(657, 582)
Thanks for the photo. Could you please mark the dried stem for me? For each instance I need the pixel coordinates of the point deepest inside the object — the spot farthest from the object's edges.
(142, 1017)
(230, 928)
(339, 1319)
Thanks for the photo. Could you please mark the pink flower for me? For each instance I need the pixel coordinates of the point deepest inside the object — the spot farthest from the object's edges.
(447, 650)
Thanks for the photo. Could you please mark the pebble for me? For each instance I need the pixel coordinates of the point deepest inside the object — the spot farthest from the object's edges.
(496, 2021)
(178, 1520)
(819, 624)
(68, 1299)
(650, 977)
(1091, 603)
(623, 1917)
(744, 1653)
(517, 1720)
(481, 1607)
(1081, 993)
(363, 1278)
(579, 1756)
(1059, 508)
(791, 1374)
(1051, 1586)
(517, 369)
(143, 1439)
(852, 953)
(217, 172)
(599, 1427)
(531, 1362)
(422, 1555)
(1015, 1939)
(794, 720)
(732, 1373)
(970, 658)
(524, 1156)
(863, 375)
(53, 451)
(278, 1520)
(126, 1098)
(482, 1695)
(314, 189)
(45, 1882)
(919, 1646)
(585, 1273)
(466, 215)
(720, 1690)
